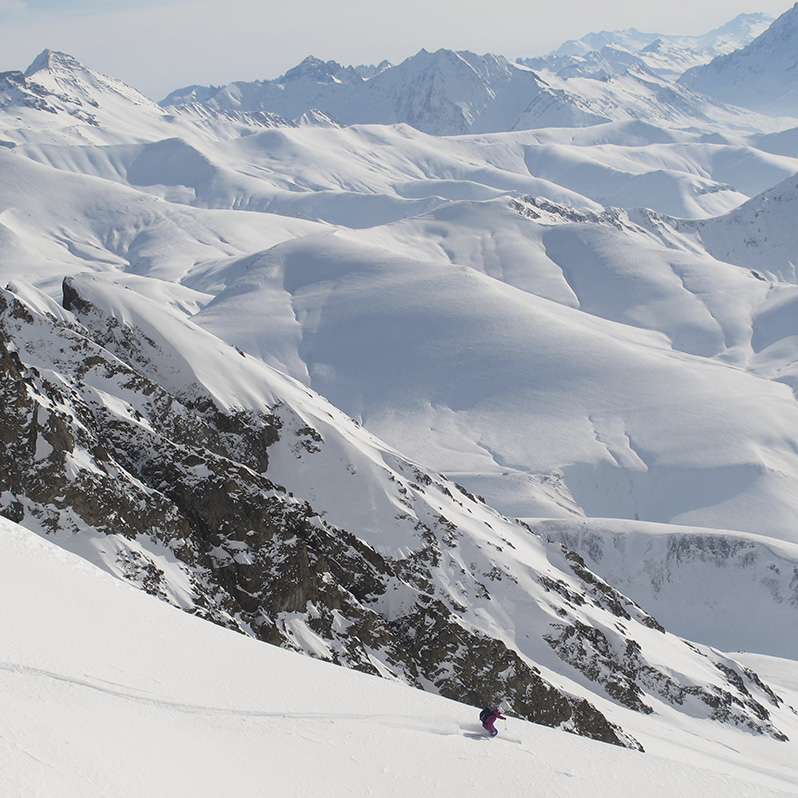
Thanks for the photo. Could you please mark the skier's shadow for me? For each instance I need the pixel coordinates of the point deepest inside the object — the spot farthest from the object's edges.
(476, 736)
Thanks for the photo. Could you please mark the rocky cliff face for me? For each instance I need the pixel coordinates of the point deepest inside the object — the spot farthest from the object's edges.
(114, 443)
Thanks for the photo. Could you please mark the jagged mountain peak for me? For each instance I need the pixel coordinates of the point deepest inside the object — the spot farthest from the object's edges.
(60, 71)
(367, 71)
(53, 60)
(314, 69)
(60, 99)
(443, 57)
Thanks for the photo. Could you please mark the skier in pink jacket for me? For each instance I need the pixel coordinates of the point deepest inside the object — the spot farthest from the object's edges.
(489, 716)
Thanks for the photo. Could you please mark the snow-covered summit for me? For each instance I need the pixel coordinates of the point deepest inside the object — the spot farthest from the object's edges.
(609, 52)
(761, 75)
(61, 73)
(316, 70)
(59, 101)
(449, 92)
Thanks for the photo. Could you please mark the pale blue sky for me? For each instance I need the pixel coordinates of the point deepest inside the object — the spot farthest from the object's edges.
(160, 45)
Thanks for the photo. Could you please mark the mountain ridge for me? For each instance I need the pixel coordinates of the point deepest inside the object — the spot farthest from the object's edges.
(610, 52)
(759, 76)
(200, 490)
(453, 93)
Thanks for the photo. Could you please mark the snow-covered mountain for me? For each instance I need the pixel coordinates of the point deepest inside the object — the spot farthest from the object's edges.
(759, 234)
(610, 52)
(731, 36)
(58, 100)
(265, 370)
(441, 93)
(202, 488)
(759, 76)
(452, 93)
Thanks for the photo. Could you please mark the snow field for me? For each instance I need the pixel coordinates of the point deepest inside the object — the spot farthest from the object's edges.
(107, 691)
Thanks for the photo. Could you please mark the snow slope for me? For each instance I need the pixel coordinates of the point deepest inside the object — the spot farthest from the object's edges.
(480, 402)
(169, 705)
(759, 234)
(759, 76)
(427, 581)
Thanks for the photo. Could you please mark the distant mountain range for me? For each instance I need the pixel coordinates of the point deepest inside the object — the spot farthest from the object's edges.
(452, 93)
(610, 52)
(763, 75)
(600, 78)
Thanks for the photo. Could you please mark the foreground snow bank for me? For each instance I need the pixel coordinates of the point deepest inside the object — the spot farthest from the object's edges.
(106, 691)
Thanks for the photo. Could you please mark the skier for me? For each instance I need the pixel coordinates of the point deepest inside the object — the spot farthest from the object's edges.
(489, 716)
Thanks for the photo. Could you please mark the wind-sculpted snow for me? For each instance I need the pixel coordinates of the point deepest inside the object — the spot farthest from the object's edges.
(55, 223)
(475, 397)
(369, 176)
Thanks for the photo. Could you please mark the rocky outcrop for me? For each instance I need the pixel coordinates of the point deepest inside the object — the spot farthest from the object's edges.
(98, 443)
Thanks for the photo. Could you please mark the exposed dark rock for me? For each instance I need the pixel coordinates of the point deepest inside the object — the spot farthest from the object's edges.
(171, 469)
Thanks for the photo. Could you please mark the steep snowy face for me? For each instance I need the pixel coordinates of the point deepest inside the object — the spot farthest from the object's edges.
(760, 76)
(60, 72)
(237, 494)
(680, 573)
(759, 234)
(102, 109)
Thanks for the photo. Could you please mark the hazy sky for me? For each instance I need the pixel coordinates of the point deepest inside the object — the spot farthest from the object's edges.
(160, 45)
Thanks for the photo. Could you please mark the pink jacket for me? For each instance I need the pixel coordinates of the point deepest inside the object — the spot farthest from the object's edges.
(494, 716)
